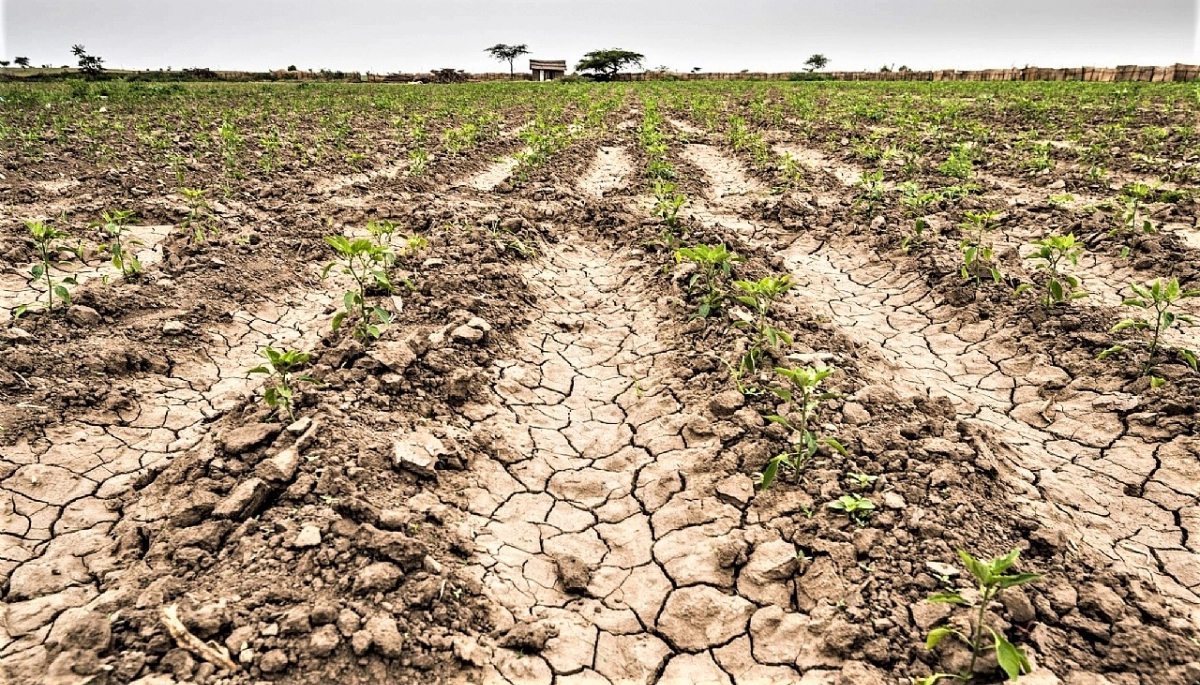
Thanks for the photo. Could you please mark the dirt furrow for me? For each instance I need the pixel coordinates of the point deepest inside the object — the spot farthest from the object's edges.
(63, 492)
(1082, 451)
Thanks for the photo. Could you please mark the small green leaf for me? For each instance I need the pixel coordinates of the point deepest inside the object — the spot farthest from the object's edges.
(1011, 659)
(945, 598)
(937, 635)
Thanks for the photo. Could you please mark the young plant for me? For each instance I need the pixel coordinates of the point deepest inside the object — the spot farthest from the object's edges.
(282, 378)
(1157, 300)
(1132, 201)
(1052, 252)
(803, 396)
(366, 262)
(870, 191)
(915, 238)
(992, 579)
(197, 218)
(116, 225)
(46, 240)
(976, 255)
(857, 507)
(760, 297)
(667, 203)
(714, 264)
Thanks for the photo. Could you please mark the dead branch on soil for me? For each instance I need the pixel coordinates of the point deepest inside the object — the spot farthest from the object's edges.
(210, 652)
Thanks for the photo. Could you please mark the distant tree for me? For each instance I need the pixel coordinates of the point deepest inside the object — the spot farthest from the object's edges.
(662, 68)
(695, 70)
(4, 63)
(291, 67)
(885, 69)
(508, 53)
(817, 61)
(22, 62)
(91, 65)
(904, 68)
(606, 63)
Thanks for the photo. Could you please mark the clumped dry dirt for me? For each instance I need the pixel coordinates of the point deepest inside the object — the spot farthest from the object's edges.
(542, 472)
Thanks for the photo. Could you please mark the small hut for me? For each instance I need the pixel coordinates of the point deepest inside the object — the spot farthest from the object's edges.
(547, 70)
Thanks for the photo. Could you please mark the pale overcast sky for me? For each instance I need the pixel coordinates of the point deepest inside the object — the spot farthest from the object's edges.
(716, 35)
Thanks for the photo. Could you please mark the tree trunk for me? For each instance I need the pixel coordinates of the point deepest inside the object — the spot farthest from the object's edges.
(512, 75)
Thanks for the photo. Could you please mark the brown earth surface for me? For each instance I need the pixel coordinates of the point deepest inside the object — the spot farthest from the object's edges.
(542, 472)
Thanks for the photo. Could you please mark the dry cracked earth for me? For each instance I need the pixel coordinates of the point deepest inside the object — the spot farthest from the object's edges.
(589, 500)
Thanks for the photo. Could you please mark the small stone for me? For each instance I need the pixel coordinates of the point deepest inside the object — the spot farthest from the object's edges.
(172, 328)
(348, 622)
(280, 468)
(300, 425)
(244, 501)
(295, 621)
(726, 403)
(82, 316)
(324, 640)
(310, 536)
(80, 628)
(574, 575)
(378, 577)
(528, 637)
(240, 639)
(242, 440)
(273, 661)
(737, 489)
(941, 570)
(360, 642)
(1020, 609)
(419, 453)
(894, 500)
(467, 334)
(207, 620)
(479, 324)
(385, 635)
(855, 414)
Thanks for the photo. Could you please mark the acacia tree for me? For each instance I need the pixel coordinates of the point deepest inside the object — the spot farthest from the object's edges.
(606, 63)
(22, 62)
(508, 53)
(90, 65)
(817, 61)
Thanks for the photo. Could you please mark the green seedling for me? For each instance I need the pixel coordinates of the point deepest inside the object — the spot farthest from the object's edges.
(282, 379)
(116, 225)
(916, 238)
(862, 481)
(198, 218)
(1157, 301)
(857, 507)
(1052, 252)
(366, 262)
(714, 264)
(1132, 202)
(418, 161)
(871, 191)
(46, 240)
(803, 396)
(993, 579)
(760, 297)
(667, 203)
(977, 256)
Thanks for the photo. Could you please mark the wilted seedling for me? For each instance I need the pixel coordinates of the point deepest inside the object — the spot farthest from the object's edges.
(366, 262)
(803, 397)
(46, 240)
(760, 297)
(992, 581)
(714, 264)
(857, 507)
(1052, 252)
(281, 377)
(116, 225)
(976, 256)
(1156, 300)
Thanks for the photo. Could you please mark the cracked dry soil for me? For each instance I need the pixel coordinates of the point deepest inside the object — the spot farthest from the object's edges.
(542, 475)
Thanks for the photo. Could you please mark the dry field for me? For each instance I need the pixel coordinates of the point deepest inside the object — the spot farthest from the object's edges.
(585, 384)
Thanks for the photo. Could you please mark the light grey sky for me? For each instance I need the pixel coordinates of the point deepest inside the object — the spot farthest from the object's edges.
(717, 35)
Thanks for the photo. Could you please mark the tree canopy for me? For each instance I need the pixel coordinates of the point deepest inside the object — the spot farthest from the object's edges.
(817, 61)
(90, 65)
(508, 53)
(22, 62)
(606, 63)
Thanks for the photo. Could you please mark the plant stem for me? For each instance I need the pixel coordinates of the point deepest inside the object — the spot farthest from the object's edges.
(977, 634)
